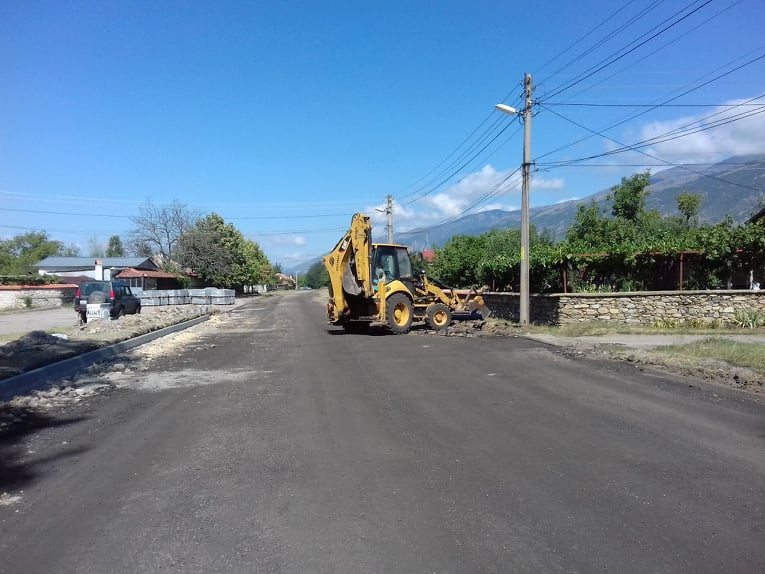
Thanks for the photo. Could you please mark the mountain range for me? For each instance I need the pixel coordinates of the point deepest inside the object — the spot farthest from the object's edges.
(734, 187)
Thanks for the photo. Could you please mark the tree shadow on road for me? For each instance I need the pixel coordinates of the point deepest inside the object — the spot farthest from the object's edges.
(19, 467)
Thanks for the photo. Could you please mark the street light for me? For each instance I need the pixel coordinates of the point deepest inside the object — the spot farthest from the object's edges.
(525, 113)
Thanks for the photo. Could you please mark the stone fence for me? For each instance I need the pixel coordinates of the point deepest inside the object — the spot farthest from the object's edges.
(16, 297)
(638, 308)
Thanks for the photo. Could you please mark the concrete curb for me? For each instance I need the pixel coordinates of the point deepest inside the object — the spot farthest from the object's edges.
(39, 378)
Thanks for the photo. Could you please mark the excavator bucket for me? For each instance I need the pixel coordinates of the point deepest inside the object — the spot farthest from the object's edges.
(477, 304)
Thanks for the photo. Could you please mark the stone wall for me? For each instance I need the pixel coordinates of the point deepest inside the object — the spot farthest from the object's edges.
(639, 308)
(14, 297)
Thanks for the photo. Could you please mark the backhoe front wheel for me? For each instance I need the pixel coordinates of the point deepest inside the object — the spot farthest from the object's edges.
(398, 313)
(438, 316)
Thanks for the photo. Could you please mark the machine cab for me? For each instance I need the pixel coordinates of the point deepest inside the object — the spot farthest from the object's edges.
(391, 262)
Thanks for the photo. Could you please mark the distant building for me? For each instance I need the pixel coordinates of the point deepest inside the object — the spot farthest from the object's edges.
(92, 267)
(141, 280)
(428, 255)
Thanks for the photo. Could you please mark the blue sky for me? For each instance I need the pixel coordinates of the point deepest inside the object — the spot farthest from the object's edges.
(287, 117)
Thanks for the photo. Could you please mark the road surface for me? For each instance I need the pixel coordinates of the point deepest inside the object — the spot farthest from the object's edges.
(272, 442)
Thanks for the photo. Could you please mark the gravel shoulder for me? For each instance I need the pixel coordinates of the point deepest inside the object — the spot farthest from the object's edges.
(38, 348)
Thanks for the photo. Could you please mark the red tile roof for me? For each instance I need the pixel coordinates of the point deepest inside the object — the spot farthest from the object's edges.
(128, 273)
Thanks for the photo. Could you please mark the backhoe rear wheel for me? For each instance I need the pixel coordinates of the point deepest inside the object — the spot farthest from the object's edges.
(438, 316)
(399, 313)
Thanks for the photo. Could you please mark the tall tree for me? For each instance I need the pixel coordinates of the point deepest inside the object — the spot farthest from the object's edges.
(689, 204)
(221, 254)
(458, 262)
(629, 197)
(115, 247)
(317, 276)
(20, 253)
(157, 228)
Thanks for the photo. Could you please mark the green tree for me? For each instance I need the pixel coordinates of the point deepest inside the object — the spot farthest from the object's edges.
(221, 255)
(457, 264)
(317, 276)
(689, 204)
(115, 247)
(20, 253)
(628, 198)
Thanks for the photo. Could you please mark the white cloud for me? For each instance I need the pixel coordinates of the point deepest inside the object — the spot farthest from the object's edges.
(289, 240)
(542, 183)
(453, 201)
(739, 136)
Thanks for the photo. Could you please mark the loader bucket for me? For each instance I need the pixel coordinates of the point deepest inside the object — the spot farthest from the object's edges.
(479, 305)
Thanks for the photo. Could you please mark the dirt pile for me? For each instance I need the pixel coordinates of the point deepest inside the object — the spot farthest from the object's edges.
(475, 328)
(37, 348)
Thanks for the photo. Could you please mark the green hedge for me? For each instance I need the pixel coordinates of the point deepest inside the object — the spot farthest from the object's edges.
(28, 279)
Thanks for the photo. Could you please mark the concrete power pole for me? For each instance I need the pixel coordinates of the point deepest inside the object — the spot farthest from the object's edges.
(524, 303)
(389, 213)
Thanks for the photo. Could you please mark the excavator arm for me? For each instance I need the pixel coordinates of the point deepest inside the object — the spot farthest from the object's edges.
(349, 267)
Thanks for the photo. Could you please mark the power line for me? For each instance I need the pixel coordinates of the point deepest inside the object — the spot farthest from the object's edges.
(236, 218)
(625, 147)
(582, 38)
(684, 164)
(652, 106)
(450, 176)
(659, 48)
(681, 131)
(630, 21)
(624, 51)
(668, 100)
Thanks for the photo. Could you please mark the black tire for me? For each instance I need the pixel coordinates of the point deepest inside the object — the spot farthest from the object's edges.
(83, 317)
(119, 312)
(138, 310)
(438, 316)
(399, 313)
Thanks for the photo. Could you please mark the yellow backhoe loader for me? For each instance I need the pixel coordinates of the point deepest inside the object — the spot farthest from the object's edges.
(371, 284)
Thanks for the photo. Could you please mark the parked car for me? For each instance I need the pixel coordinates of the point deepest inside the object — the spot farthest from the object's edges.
(116, 294)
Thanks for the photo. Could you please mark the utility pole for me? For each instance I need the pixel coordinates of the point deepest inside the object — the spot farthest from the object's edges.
(389, 212)
(524, 306)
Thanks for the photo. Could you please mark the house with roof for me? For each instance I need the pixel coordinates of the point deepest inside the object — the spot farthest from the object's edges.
(141, 280)
(91, 267)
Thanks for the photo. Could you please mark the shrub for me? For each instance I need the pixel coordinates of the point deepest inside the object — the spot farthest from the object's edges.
(749, 318)
(666, 324)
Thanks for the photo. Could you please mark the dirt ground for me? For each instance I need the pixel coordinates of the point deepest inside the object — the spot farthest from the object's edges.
(38, 348)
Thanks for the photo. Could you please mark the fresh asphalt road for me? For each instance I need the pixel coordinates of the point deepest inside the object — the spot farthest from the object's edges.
(273, 442)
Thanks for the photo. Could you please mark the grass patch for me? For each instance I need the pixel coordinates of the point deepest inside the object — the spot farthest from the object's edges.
(736, 353)
(600, 328)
